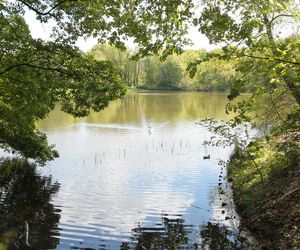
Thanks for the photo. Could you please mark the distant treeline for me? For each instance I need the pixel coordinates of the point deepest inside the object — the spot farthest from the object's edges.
(152, 73)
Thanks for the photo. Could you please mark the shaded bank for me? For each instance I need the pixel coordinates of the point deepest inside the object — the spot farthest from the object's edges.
(270, 208)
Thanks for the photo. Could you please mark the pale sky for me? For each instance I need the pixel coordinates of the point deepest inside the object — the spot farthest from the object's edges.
(43, 31)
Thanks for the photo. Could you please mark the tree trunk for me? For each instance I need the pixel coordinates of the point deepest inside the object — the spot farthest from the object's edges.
(137, 73)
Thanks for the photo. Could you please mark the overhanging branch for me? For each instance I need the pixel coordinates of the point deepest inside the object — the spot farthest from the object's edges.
(38, 11)
(271, 58)
(281, 15)
(34, 66)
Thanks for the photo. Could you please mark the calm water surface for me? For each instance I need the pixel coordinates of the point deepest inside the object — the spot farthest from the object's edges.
(133, 177)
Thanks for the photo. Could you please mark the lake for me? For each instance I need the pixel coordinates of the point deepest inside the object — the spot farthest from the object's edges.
(133, 176)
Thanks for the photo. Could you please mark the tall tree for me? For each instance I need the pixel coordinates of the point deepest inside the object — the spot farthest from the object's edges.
(151, 66)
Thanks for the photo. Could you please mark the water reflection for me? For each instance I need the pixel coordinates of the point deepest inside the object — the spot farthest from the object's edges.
(170, 233)
(27, 218)
(138, 109)
(133, 176)
(174, 233)
(218, 237)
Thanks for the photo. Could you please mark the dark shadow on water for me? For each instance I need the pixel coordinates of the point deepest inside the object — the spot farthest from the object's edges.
(218, 237)
(28, 216)
(175, 234)
(26, 213)
(170, 234)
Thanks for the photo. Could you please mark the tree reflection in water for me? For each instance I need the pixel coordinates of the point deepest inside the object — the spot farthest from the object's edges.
(25, 199)
(218, 237)
(174, 234)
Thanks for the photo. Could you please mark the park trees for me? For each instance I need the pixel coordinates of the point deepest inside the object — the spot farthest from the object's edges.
(215, 74)
(36, 74)
(250, 32)
(169, 74)
(161, 75)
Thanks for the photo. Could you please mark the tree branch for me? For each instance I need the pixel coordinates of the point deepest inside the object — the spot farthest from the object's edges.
(13, 66)
(269, 58)
(34, 66)
(281, 15)
(39, 12)
(275, 109)
(256, 166)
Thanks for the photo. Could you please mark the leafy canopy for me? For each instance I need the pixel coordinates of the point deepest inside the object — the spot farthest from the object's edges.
(35, 74)
(250, 31)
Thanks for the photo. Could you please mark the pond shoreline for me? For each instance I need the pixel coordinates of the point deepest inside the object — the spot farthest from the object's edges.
(138, 171)
(178, 90)
(269, 210)
(175, 89)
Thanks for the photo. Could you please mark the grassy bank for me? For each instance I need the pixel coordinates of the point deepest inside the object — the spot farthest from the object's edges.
(266, 186)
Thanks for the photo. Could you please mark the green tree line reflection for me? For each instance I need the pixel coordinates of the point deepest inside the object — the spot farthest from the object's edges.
(136, 108)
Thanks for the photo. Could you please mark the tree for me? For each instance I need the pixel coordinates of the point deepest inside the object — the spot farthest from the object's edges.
(119, 58)
(169, 74)
(248, 28)
(151, 66)
(161, 74)
(35, 75)
(215, 75)
(128, 68)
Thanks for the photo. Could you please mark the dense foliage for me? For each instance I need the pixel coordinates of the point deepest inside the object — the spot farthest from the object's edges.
(34, 74)
(267, 60)
(153, 73)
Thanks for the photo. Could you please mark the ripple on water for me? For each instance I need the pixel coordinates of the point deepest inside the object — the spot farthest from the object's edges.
(136, 187)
